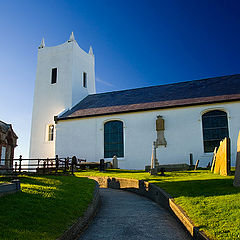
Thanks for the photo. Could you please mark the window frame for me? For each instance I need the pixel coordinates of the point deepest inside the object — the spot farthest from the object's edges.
(106, 155)
(84, 79)
(50, 134)
(207, 130)
(54, 75)
(3, 160)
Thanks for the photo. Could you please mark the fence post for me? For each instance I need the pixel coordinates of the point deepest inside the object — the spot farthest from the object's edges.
(47, 162)
(15, 167)
(57, 163)
(20, 163)
(65, 165)
(67, 162)
(74, 162)
(72, 166)
(191, 159)
(44, 167)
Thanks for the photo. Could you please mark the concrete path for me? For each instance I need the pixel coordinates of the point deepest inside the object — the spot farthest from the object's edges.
(128, 216)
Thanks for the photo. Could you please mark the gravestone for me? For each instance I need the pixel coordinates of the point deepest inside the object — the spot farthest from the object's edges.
(236, 182)
(196, 165)
(74, 160)
(115, 162)
(153, 171)
(74, 163)
(17, 182)
(108, 165)
(222, 162)
(102, 165)
(191, 159)
(214, 159)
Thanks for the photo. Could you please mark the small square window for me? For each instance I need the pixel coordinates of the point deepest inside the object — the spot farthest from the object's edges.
(54, 75)
(84, 79)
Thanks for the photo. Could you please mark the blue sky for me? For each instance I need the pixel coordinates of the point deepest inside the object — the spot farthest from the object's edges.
(136, 44)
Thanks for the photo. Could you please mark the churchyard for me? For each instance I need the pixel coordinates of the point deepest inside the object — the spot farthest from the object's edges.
(210, 200)
(49, 204)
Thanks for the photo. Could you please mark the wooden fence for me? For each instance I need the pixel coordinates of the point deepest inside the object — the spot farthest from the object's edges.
(44, 166)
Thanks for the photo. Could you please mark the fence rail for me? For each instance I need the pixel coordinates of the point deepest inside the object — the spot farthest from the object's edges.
(43, 166)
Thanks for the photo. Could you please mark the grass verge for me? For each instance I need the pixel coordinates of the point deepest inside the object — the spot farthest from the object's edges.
(210, 200)
(46, 207)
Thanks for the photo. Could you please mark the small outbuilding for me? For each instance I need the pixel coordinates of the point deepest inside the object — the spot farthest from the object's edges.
(8, 141)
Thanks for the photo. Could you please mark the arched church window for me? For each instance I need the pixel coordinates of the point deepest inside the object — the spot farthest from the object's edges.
(50, 132)
(215, 129)
(113, 139)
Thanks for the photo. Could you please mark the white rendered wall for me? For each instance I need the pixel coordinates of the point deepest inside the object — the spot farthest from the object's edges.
(52, 99)
(84, 137)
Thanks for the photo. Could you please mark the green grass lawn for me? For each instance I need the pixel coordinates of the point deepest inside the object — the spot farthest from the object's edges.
(209, 200)
(45, 208)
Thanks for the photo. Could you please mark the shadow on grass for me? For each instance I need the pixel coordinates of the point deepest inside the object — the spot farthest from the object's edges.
(33, 180)
(42, 212)
(197, 188)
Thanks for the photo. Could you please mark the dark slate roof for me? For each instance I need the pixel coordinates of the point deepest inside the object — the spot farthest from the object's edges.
(217, 89)
(4, 126)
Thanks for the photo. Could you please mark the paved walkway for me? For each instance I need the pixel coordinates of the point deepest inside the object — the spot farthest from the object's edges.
(128, 216)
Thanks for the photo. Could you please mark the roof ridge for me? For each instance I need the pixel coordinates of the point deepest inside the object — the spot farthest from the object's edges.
(195, 89)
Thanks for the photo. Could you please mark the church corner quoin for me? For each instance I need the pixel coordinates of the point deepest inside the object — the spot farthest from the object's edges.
(70, 119)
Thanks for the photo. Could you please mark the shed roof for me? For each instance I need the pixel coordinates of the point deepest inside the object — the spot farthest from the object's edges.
(210, 90)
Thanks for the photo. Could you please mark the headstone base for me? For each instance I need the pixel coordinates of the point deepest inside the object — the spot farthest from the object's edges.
(153, 171)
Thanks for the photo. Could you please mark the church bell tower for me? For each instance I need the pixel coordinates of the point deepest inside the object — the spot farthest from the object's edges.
(65, 75)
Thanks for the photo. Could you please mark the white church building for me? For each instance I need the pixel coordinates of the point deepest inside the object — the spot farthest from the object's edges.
(71, 119)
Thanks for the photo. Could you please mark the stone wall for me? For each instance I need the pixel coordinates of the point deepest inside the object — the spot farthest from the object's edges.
(8, 188)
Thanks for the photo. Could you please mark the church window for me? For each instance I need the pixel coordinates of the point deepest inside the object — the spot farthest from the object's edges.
(113, 139)
(84, 79)
(215, 129)
(50, 132)
(54, 75)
